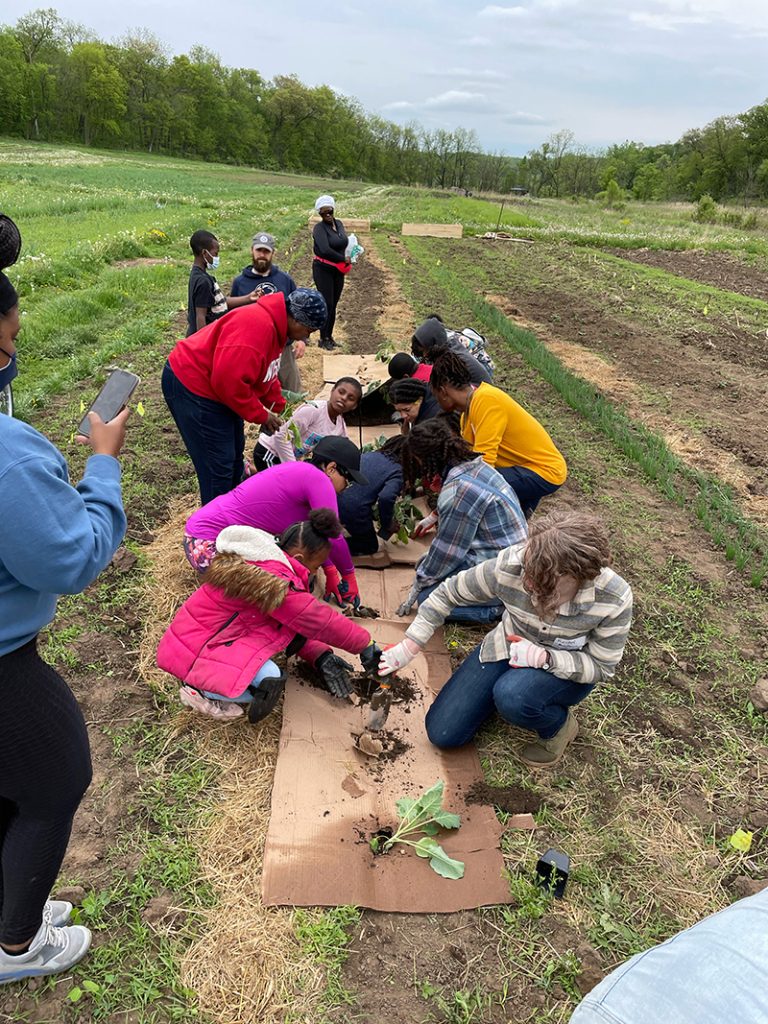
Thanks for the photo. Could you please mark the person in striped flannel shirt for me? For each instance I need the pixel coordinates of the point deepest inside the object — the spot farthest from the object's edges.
(565, 623)
(477, 516)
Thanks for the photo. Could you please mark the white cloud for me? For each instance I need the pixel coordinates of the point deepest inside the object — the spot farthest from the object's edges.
(457, 99)
(665, 22)
(476, 73)
(477, 41)
(521, 117)
(399, 105)
(494, 11)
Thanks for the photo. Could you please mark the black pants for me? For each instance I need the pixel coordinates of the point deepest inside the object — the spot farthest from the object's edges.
(330, 283)
(364, 543)
(213, 435)
(45, 768)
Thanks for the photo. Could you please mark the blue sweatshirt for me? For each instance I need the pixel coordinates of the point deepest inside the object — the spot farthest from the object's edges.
(385, 481)
(267, 284)
(54, 538)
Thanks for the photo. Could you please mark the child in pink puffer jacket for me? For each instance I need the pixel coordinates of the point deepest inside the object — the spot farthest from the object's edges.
(255, 603)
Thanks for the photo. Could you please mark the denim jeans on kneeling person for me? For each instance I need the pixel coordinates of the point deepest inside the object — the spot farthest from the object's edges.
(528, 697)
(529, 487)
(268, 670)
(479, 614)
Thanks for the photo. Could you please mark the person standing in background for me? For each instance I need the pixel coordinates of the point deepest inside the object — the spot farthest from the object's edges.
(330, 264)
(205, 300)
(264, 277)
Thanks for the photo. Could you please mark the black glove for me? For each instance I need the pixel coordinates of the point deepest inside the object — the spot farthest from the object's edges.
(335, 673)
(369, 659)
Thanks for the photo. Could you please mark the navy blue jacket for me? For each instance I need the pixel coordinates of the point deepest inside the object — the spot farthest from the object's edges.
(275, 281)
(385, 482)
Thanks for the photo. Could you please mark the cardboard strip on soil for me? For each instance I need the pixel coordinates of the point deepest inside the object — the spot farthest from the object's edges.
(434, 230)
(328, 799)
(367, 368)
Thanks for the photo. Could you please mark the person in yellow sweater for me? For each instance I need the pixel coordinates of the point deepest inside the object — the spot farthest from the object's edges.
(499, 429)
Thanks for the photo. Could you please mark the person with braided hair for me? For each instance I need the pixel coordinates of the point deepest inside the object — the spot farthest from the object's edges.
(56, 538)
(565, 625)
(478, 513)
(414, 401)
(502, 431)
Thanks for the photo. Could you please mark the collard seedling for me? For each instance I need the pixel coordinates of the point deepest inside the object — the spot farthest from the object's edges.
(424, 814)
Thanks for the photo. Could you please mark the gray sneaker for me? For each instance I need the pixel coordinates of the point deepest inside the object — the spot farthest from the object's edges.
(53, 950)
(57, 912)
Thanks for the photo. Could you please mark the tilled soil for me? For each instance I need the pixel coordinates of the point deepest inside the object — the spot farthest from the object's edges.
(721, 269)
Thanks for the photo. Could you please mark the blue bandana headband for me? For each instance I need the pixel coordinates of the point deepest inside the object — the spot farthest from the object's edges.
(308, 307)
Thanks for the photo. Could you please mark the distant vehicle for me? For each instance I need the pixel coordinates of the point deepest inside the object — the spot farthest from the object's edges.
(518, 190)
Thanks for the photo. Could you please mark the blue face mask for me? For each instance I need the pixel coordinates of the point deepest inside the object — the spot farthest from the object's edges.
(214, 262)
(8, 372)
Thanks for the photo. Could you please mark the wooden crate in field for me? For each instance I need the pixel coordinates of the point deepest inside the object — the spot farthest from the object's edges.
(434, 230)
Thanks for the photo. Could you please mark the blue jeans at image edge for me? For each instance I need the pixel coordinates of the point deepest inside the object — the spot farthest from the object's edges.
(527, 697)
(529, 487)
(268, 670)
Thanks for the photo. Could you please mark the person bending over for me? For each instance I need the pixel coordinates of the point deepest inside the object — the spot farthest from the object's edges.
(565, 624)
(310, 422)
(402, 365)
(282, 495)
(384, 473)
(506, 436)
(256, 603)
(413, 401)
(55, 539)
(477, 514)
(432, 338)
(227, 373)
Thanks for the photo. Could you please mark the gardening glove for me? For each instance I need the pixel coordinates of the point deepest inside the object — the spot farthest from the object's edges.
(332, 583)
(410, 601)
(397, 657)
(335, 673)
(369, 659)
(524, 654)
(349, 591)
(424, 525)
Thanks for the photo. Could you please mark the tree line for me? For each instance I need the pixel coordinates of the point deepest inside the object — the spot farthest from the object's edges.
(59, 83)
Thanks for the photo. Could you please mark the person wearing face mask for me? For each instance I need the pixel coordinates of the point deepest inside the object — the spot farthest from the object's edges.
(278, 497)
(205, 300)
(330, 263)
(55, 539)
(225, 374)
(264, 277)
(564, 626)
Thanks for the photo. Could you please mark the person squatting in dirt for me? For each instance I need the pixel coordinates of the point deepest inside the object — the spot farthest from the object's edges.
(501, 430)
(264, 277)
(55, 539)
(566, 618)
(432, 338)
(310, 422)
(358, 505)
(278, 497)
(477, 514)
(255, 603)
(228, 373)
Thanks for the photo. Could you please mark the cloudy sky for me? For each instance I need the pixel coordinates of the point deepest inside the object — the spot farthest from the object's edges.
(515, 72)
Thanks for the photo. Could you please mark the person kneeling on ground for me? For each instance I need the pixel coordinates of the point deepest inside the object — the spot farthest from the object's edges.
(565, 624)
(478, 513)
(255, 603)
(384, 473)
(311, 421)
(432, 338)
(401, 365)
(413, 402)
(503, 432)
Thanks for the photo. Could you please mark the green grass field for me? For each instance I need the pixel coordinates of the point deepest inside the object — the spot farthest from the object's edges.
(647, 376)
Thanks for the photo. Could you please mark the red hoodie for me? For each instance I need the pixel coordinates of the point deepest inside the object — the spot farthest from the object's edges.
(235, 359)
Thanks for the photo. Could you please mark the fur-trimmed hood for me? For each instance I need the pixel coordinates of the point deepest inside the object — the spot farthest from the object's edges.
(249, 566)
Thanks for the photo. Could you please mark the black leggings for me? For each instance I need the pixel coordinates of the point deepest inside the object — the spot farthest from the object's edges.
(45, 768)
(330, 283)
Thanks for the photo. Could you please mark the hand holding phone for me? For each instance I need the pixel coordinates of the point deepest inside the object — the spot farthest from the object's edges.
(106, 438)
(113, 397)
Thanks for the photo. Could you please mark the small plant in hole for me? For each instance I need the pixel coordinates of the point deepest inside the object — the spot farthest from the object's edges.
(423, 814)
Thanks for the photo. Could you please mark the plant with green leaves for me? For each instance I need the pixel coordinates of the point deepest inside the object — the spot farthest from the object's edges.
(424, 814)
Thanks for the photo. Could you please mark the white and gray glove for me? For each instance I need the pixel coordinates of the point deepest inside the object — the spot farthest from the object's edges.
(524, 654)
(397, 657)
(425, 525)
(410, 601)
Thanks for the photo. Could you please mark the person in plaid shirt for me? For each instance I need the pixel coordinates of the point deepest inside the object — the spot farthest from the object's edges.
(565, 624)
(478, 514)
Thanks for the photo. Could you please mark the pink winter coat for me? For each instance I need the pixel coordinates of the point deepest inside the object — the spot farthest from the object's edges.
(244, 614)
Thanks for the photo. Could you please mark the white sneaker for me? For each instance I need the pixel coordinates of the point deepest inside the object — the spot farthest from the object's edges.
(56, 912)
(53, 950)
(192, 698)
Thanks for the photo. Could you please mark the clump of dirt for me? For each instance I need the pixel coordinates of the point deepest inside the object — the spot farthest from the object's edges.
(392, 746)
(512, 799)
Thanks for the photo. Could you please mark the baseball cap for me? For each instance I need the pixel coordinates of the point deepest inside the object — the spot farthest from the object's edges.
(263, 241)
(344, 453)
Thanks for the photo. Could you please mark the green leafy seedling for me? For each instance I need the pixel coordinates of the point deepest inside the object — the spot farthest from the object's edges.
(424, 814)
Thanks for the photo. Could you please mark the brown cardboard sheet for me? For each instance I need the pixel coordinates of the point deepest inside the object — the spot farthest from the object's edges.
(328, 799)
(367, 368)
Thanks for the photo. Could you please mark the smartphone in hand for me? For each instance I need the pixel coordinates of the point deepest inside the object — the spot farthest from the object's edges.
(114, 396)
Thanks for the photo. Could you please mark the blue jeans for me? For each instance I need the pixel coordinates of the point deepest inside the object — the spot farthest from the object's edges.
(528, 697)
(268, 670)
(212, 433)
(480, 614)
(529, 487)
